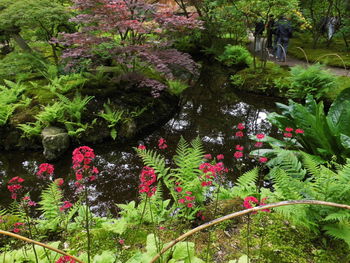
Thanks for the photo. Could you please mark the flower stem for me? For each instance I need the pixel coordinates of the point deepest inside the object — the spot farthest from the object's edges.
(155, 233)
(87, 223)
(31, 234)
(248, 238)
(215, 211)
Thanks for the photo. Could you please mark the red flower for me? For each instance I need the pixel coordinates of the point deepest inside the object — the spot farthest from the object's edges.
(204, 183)
(59, 181)
(45, 169)
(188, 192)
(141, 147)
(178, 189)
(299, 131)
(249, 200)
(66, 205)
(238, 155)
(121, 241)
(147, 178)
(258, 144)
(220, 157)
(288, 129)
(189, 205)
(181, 201)
(16, 179)
(188, 198)
(65, 259)
(287, 135)
(16, 230)
(162, 143)
(239, 134)
(240, 126)
(239, 148)
(208, 156)
(14, 186)
(82, 159)
(260, 136)
(263, 159)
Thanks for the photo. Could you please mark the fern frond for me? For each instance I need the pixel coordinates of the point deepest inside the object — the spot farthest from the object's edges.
(155, 160)
(312, 163)
(339, 231)
(291, 164)
(285, 186)
(51, 201)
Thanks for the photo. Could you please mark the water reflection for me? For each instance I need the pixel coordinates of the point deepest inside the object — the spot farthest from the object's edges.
(210, 111)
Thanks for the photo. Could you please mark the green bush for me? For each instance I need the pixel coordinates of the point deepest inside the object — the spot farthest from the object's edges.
(312, 80)
(176, 87)
(235, 56)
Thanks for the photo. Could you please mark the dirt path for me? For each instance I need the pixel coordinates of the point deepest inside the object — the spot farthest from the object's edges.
(291, 62)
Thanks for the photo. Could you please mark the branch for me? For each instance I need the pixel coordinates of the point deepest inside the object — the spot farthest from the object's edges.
(240, 213)
(39, 244)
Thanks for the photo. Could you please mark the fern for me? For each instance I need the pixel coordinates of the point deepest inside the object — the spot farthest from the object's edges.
(51, 201)
(51, 113)
(339, 231)
(30, 129)
(75, 107)
(156, 161)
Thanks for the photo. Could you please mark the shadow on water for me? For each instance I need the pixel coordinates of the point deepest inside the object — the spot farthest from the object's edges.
(210, 110)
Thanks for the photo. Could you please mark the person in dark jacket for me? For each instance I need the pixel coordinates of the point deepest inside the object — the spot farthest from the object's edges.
(283, 34)
(259, 29)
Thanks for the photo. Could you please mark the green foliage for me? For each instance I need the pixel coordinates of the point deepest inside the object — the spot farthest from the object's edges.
(182, 252)
(312, 80)
(74, 108)
(236, 56)
(113, 118)
(176, 87)
(30, 129)
(324, 135)
(51, 114)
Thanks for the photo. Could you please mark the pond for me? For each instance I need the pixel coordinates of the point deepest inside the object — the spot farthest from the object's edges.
(210, 110)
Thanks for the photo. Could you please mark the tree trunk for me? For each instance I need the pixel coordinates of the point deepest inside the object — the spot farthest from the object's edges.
(21, 42)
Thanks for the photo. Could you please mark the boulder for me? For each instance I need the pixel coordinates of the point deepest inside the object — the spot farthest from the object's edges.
(55, 142)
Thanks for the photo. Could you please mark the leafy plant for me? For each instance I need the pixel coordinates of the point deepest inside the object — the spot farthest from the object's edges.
(326, 135)
(30, 129)
(176, 87)
(312, 80)
(235, 56)
(113, 118)
(74, 108)
(51, 113)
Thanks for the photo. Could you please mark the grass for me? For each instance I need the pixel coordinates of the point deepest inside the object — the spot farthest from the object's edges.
(319, 54)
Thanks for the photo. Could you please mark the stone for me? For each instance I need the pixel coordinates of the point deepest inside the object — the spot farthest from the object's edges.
(55, 142)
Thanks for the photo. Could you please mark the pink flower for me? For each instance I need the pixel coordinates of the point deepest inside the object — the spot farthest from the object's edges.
(299, 131)
(188, 192)
(287, 135)
(32, 203)
(258, 144)
(263, 159)
(238, 155)
(162, 144)
(16, 230)
(239, 134)
(16, 179)
(240, 126)
(59, 181)
(161, 228)
(66, 205)
(178, 189)
(260, 136)
(239, 148)
(65, 259)
(249, 200)
(181, 201)
(208, 156)
(220, 157)
(204, 184)
(288, 129)
(45, 169)
(141, 147)
(189, 205)
(121, 241)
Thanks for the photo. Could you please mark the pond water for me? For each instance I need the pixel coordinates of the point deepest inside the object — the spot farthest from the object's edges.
(210, 110)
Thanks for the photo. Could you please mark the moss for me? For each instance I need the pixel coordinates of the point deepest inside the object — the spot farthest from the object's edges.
(342, 83)
(318, 54)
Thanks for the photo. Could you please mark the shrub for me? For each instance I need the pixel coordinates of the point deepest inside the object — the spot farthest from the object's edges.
(311, 80)
(235, 56)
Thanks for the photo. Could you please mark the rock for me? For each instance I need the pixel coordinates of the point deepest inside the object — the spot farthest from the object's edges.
(55, 142)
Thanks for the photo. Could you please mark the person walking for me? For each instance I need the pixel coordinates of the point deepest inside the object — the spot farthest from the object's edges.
(283, 34)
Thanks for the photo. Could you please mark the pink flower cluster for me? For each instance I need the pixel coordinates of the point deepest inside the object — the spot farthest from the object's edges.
(82, 163)
(162, 144)
(240, 127)
(18, 227)
(141, 147)
(211, 172)
(187, 200)
(14, 185)
(249, 201)
(66, 205)
(28, 201)
(288, 133)
(65, 259)
(148, 177)
(238, 154)
(45, 170)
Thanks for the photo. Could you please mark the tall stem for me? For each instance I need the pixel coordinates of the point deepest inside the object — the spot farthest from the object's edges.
(248, 238)
(215, 211)
(31, 235)
(155, 233)
(87, 222)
